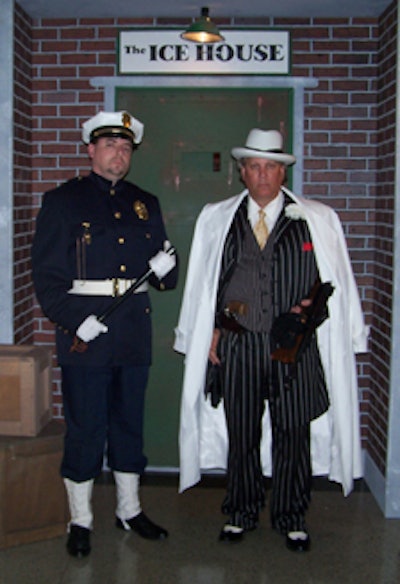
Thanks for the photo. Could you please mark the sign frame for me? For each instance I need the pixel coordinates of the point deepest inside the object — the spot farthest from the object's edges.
(161, 51)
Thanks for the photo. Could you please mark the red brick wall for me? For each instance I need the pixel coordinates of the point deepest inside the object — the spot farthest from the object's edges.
(23, 291)
(354, 97)
(383, 235)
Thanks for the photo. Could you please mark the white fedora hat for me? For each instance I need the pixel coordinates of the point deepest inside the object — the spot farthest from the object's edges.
(264, 144)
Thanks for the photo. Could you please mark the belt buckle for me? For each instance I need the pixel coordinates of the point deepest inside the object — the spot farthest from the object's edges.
(115, 287)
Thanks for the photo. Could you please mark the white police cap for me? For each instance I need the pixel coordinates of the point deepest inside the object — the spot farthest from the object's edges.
(116, 124)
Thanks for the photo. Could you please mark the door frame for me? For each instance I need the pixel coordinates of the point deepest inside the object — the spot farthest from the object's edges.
(298, 85)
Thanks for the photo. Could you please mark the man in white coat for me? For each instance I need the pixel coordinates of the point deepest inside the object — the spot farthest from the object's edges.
(254, 258)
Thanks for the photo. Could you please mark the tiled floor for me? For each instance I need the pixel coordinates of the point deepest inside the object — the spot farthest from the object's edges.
(351, 543)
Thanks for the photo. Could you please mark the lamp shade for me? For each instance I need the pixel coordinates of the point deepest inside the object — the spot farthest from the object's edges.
(203, 30)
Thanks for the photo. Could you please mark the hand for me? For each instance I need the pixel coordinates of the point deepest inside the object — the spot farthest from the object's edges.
(298, 309)
(212, 354)
(90, 328)
(162, 263)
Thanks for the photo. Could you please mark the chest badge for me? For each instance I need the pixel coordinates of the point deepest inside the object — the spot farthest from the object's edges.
(141, 210)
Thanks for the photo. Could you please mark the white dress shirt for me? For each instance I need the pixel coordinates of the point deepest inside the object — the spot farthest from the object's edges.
(272, 211)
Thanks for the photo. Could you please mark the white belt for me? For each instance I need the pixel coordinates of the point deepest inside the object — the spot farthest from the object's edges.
(110, 287)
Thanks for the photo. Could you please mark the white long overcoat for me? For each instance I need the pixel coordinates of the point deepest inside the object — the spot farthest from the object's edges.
(335, 443)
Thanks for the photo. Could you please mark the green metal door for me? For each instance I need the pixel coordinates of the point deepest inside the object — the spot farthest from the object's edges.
(185, 160)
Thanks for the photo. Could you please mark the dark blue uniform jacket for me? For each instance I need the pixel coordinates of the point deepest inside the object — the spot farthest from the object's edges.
(88, 229)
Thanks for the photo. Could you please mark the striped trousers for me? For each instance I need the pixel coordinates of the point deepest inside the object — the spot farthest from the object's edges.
(246, 385)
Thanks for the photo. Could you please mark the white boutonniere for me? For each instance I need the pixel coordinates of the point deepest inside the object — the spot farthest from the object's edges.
(294, 211)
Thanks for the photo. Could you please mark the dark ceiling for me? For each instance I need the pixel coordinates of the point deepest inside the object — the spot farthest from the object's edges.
(231, 8)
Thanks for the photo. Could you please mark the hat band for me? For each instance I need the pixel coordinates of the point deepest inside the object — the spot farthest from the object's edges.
(272, 150)
(110, 131)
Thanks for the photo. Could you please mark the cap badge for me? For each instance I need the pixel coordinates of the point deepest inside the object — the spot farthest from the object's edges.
(126, 120)
(141, 210)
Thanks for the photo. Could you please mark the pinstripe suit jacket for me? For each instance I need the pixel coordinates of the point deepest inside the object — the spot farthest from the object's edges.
(293, 271)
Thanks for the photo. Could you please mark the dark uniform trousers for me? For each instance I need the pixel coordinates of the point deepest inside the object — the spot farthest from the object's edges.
(90, 395)
(249, 377)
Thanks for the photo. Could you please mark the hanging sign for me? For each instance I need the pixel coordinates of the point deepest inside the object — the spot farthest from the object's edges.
(243, 52)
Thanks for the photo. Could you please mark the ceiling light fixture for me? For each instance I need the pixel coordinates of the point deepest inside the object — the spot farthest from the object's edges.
(203, 30)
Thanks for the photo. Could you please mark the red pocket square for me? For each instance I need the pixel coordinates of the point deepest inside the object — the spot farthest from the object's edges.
(307, 246)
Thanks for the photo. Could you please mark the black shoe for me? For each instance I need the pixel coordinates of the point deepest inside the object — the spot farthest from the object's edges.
(143, 526)
(231, 533)
(298, 541)
(78, 543)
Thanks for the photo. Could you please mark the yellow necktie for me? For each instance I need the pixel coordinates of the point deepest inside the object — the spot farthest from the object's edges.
(261, 230)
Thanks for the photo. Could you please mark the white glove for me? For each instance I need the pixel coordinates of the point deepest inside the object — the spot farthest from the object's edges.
(90, 328)
(163, 262)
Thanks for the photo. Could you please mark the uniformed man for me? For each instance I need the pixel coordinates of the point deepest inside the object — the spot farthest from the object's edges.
(94, 237)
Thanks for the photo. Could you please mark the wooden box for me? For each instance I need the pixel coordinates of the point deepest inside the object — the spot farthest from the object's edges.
(25, 389)
(33, 502)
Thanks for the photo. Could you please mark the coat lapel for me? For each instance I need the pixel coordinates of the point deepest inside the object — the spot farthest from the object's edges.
(283, 221)
(232, 248)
